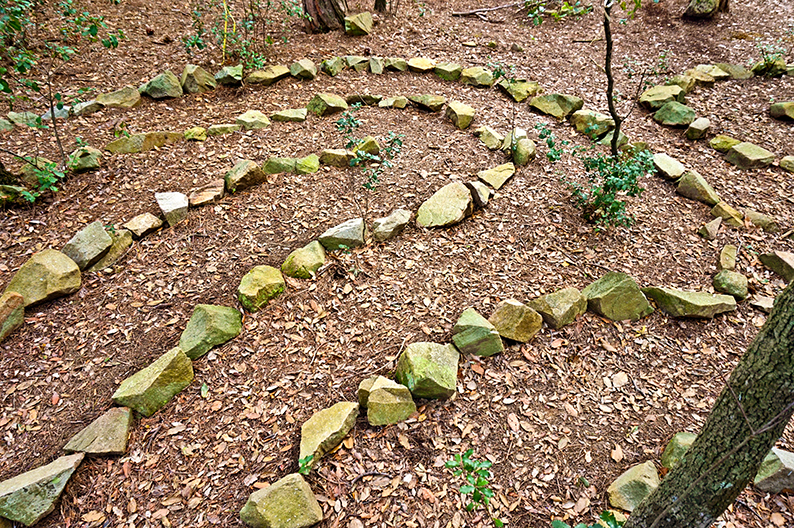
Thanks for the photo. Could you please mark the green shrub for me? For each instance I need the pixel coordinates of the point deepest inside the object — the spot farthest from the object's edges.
(607, 518)
(476, 474)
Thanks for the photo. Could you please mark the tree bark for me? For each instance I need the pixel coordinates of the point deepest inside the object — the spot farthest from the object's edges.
(325, 14)
(380, 6)
(745, 422)
(610, 80)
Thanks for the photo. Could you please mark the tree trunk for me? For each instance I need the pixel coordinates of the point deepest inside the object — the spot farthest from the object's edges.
(736, 437)
(610, 80)
(380, 6)
(325, 14)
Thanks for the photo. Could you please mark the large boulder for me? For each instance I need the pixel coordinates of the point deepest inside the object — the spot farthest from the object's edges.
(88, 245)
(695, 187)
(776, 472)
(749, 156)
(209, 326)
(173, 205)
(165, 85)
(387, 402)
(676, 448)
(474, 334)
(45, 276)
(12, 313)
(287, 503)
(516, 321)
(497, 176)
(359, 24)
(347, 235)
(657, 96)
(148, 390)
(196, 79)
(324, 104)
(556, 105)
(244, 174)
(260, 286)
(616, 296)
(326, 429)
(701, 305)
(674, 114)
(107, 435)
(429, 370)
(127, 97)
(390, 226)
(448, 206)
(304, 262)
(560, 308)
(633, 485)
(29, 497)
(781, 262)
(270, 75)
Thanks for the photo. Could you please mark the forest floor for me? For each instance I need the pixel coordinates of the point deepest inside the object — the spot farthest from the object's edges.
(560, 417)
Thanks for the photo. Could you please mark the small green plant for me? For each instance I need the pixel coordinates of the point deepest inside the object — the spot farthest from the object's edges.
(607, 517)
(379, 162)
(537, 9)
(47, 176)
(556, 148)
(196, 40)
(80, 142)
(305, 465)
(502, 71)
(422, 7)
(120, 129)
(648, 75)
(476, 474)
(348, 123)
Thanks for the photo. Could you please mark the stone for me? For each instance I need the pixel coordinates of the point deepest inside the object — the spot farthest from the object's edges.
(196, 133)
(357, 62)
(127, 97)
(698, 129)
(781, 262)
(421, 65)
(376, 65)
(770, 68)
(395, 64)
(10, 194)
(429, 370)
(709, 230)
(303, 263)
(29, 497)
(497, 176)
(210, 326)
(398, 102)
(260, 286)
(460, 114)
(390, 226)
(336, 157)
(623, 141)
(85, 159)
(730, 215)
(676, 448)
(164, 86)
(731, 283)
(524, 152)
(616, 296)
(207, 194)
(359, 24)
(428, 102)
(308, 165)
(279, 165)
(592, 124)
(196, 79)
(22, 118)
(560, 308)
(685, 82)
(519, 90)
(60, 113)
(633, 485)
(448, 71)
(369, 145)
(556, 105)
(387, 401)
(173, 205)
(148, 390)
(480, 193)
(347, 235)
(230, 75)
(143, 224)
(477, 76)
(749, 156)
(88, 245)
(701, 78)
(223, 128)
(107, 435)
(244, 174)
(12, 313)
(291, 115)
(674, 114)
(765, 222)
(270, 75)
(787, 163)
(657, 96)
(122, 240)
(701, 305)
(252, 119)
(735, 71)
(490, 137)
(47, 275)
(287, 503)
(695, 187)
(783, 110)
(332, 66)
(143, 142)
(474, 334)
(326, 429)
(6, 125)
(363, 98)
(325, 104)
(727, 260)
(715, 71)
(448, 206)
(667, 167)
(762, 303)
(303, 69)
(776, 472)
(722, 143)
(87, 108)
(516, 321)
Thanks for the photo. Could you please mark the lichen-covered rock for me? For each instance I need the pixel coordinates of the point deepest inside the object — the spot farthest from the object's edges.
(398, 101)
(85, 159)
(490, 137)
(174, 206)
(695, 187)
(336, 157)
(731, 283)
(448, 206)
(516, 321)
(428, 102)
(303, 69)
(497, 176)
(369, 145)
(122, 240)
(390, 226)
(429, 370)
(196, 133)
(45, 276)
(749, 156)
(375, 66)
(303, 263)
(728, 214)
(722, 143)
(709, 230)
(460, 114)
(359, 24)
(148, 390)
(676, 448)
(143, 224)
(685, 82)
(477, 76)
(127, 97)
(591, 123)
(701, 305)
(616, 296)
(735, 71)
(781, 262)
(560, 308)
(260, 286)
(633, 485)
(287, 503)
(776, 472)
(332, 66)
(243, 175)
(395, 64)
(143, 142)
(12, 313)
(698, 129)
(667, 167)
(519, 90)
(765, 222)
(279, 165)
(196, 79)
(325, 104)
(784, 110)
(208, 327)
(270, 75)
(230, 75)
(308, 165)
(326, 429)
(88, 245)
(387, 401)
(165, 85)
(674, 114)
(107, 435)
(557, 105)
(252, 119)
(448, 71)
(657, 96)
(347, 235)
(474, 334)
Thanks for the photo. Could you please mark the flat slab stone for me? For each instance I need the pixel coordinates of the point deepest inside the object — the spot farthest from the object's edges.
(560, 308)
(668, 167)
(776, 472)
(695, 187)
(260, 286)
(223, 128)
(765, 222)
(143, 142)
(148, 390)
(308, 165)
(164, 86)
(429, 370)
(519, 90)
(359, 24)
(477, 76)
(735, 71)
(363, 98)
(208, 327)
(497, 176)
(781, 262)
(243, 175)
(399, 102)
(196, 79)
(336, 157)
(349, 234)
(474, 334)
(127, 97)
(387, 401)
(252, 119)
(293, 115)
(122, 240)
(516, 321)
(701, 305)
(480, 192)
(270, 75)
(12, 313)
(657, 96)
(303, 263)
(47, 275)
(326, 429)
(676, 448)
(448, 206)
(728, 214)
(29, 497)
(428, 102)
(287, 503)
(390, 226)
(143, 224)
(749, 156)
(324, 104)
(616, 296)
(421, 65)
(674, 114)
(208, 194)
(395, 64)
(727, 260)
(787, 163)
(88, 245)
(633, 485)
(174, 206)
(196, 133)
(556, 105)
(230, 75)
(107, 435)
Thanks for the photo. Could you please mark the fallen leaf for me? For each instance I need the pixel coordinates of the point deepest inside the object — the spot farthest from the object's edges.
(606, 346)
(93, 516)
(617, 453)
(512, 421)
(620, 379)
(777, 519)
(404, 441)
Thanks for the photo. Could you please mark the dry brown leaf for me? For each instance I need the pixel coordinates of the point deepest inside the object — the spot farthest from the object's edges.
(617, 453)
(93, 516)
(404, 441)
(777, 519)
(512, 421)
